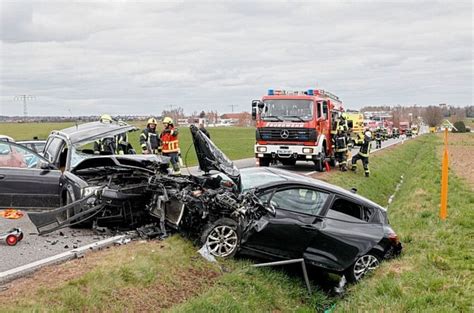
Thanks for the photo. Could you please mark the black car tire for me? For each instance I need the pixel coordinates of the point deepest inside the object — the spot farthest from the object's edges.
(363, 265)
(264, 162)
(222, 237)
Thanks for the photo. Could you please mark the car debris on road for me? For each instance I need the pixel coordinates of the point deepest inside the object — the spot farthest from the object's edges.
(12, 237)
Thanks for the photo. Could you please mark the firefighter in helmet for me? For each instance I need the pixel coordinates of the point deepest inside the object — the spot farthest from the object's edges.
(149, 140)
(340, 148)
(170, 143)
(105, 145)
(363, 154)
(378, 138)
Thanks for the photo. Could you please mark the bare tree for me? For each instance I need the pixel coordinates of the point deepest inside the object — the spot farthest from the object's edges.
(175, 114)
(433, 115)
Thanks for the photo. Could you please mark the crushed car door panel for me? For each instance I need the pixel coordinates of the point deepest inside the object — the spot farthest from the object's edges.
(288, 233)
(343, 236)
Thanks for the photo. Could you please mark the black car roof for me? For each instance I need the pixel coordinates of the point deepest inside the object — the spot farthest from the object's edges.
(291, 177)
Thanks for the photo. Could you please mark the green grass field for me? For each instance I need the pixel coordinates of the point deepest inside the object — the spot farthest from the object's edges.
(434, 273)
(235, 142)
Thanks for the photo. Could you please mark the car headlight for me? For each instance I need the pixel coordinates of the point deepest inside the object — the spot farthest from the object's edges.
(308, 150)
(261, 149)
(87, 191)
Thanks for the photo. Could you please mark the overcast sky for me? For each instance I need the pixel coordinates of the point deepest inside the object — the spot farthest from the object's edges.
(131, 57)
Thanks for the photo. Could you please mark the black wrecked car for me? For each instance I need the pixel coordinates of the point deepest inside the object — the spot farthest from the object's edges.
(69, 170)
(264, 212)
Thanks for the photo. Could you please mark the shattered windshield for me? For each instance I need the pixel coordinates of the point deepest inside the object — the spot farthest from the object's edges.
(288, 110)
(77, 156)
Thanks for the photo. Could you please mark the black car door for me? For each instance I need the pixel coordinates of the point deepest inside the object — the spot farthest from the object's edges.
(23, 183)
(287, 234)
(344, 234)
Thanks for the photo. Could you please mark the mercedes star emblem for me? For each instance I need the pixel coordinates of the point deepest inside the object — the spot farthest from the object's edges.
(285, 134)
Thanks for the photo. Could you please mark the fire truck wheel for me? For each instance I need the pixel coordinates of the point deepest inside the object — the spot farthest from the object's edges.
(264, 161)
(319, 163)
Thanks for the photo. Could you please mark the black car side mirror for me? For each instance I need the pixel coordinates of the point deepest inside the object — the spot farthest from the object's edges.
(44, 165)
(254, 109)
(270, 209)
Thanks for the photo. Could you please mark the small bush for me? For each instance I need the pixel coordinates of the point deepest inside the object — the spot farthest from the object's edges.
(460, 126)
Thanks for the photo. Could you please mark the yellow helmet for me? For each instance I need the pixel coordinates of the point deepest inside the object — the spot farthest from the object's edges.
(151, 120)
(105, 118)
(344, 115)
(168, 120)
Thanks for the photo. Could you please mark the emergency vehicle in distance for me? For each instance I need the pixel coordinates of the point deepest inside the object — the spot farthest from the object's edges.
(355, 122)
(295, 126)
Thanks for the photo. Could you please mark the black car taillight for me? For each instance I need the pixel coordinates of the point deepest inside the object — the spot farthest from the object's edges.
(393, 239)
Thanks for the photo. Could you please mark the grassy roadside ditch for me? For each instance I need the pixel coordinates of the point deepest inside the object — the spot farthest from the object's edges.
(434, 273)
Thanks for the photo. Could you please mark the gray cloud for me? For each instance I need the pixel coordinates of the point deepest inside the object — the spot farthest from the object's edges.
(138, 57)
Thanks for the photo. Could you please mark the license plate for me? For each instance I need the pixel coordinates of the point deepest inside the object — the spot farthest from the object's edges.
(284, 151)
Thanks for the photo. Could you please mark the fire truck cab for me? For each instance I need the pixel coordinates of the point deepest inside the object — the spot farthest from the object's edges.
(295, 126)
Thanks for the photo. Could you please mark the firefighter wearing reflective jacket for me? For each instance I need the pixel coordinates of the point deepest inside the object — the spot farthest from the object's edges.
(123, 145)
(105, 145)
(149, 140)
(340, 148)
(170, 143)
(363, 154)
(378, 138)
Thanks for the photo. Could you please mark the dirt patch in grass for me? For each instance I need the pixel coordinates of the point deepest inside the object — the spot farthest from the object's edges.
(461, 156)
(158, 297)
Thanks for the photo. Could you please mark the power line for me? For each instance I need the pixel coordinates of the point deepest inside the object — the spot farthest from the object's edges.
(24, 98)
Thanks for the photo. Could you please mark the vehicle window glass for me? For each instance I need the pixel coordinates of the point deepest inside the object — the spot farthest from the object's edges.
(300, 200)
(264, 197)
(13, 156)
(52, 150)
(370, 215)
(347, 208)
(251, 180)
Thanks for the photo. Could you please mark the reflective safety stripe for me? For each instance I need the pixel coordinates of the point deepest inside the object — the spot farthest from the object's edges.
(341, 150)
(170, 146)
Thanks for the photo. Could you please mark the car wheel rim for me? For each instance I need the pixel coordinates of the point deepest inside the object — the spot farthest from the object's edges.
(222, 241)
(364, 265)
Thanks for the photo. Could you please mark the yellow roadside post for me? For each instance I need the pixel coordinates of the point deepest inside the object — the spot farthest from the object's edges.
(443, 211)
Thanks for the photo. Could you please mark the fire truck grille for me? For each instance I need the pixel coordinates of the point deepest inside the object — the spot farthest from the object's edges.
(286, 134)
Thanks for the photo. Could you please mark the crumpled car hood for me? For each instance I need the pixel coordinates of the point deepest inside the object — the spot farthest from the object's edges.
(211, 158)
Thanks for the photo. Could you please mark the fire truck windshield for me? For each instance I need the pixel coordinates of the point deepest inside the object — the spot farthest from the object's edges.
(286, 109)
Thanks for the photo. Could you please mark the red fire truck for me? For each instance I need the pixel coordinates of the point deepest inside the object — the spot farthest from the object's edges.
(404, 126)
(295, 126)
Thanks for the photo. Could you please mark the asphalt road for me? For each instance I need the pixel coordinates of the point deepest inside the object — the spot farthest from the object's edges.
(33, 247)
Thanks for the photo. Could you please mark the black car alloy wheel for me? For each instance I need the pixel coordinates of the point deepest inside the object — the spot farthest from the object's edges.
(222, 238)
(362, 266)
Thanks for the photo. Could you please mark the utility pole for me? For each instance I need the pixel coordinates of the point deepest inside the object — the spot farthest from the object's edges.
(24, 98)
(232, 107)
